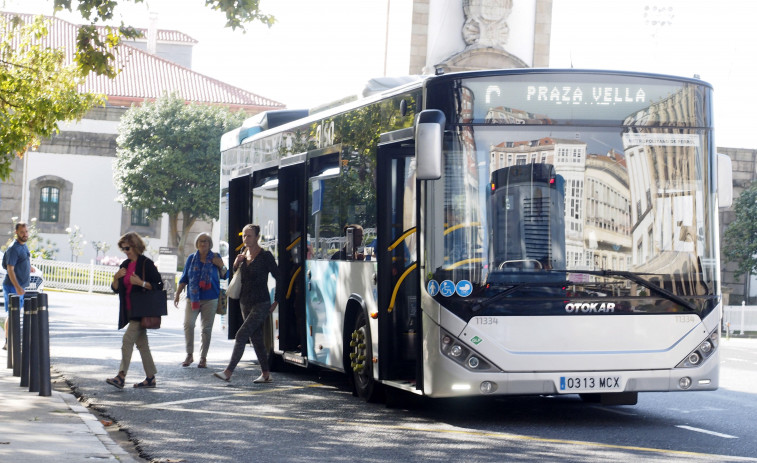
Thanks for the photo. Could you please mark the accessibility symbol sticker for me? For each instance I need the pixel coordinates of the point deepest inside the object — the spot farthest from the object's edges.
(432, 287)
(464, 288)
(447, 288)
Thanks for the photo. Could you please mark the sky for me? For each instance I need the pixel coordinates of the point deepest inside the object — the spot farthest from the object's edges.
(322, 50)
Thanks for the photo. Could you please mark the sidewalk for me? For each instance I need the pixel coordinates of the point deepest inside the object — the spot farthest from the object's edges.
(56, 428)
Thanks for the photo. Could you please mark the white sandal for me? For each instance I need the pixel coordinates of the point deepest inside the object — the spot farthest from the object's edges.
(263, 379)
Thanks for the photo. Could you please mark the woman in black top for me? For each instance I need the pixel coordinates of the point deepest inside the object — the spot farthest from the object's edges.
(137, 273)
(255, 265)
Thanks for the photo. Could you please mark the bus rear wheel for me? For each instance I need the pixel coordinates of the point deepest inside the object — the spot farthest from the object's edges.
(361, 361)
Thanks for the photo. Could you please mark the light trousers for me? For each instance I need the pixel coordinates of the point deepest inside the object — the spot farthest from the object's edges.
(207, 313)
(135, 334)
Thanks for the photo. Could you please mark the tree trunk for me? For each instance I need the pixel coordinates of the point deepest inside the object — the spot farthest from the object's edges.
(188, 220)
(173, 231)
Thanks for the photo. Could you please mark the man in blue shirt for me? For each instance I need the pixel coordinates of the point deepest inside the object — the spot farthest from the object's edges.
(16, 262)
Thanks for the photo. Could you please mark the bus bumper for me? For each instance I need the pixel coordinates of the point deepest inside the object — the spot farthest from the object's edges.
(449, 379)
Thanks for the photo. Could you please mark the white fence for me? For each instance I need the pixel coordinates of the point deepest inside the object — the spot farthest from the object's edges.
(740, 318)
(76, 276)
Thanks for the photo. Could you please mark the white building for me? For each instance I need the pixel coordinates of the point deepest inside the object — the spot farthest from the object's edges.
(68, 181)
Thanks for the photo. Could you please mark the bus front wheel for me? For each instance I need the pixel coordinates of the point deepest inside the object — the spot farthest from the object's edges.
(361, 360)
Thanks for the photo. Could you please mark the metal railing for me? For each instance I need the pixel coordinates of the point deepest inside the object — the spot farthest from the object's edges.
(76, 276)
(740, 318)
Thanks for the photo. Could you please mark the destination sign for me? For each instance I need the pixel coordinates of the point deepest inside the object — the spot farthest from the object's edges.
(520, 99)
(593, 95)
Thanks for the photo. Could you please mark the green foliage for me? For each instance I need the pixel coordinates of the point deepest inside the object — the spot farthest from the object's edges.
(96, 53)
(740, 238)
(37, 89)
(168, 160)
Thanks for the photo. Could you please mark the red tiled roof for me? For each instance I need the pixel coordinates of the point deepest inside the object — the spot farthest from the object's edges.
(148, 77)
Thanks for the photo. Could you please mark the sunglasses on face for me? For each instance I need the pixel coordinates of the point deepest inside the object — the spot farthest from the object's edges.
(125, 248)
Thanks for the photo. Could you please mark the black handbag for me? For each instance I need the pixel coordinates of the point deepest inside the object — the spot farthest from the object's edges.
(149, 304)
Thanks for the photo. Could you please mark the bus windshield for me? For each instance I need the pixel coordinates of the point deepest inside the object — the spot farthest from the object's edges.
(574, 198)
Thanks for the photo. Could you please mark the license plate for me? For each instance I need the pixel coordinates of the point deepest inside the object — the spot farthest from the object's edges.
(582, 383)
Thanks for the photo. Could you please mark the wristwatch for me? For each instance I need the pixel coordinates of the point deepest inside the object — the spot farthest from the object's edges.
(144, 284)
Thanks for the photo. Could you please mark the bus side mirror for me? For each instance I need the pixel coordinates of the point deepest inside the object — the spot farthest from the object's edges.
(429, 129)
(725, 181)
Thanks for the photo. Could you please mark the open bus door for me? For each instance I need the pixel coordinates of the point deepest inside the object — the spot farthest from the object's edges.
(293, 250)
(397, 279)
(240, 214)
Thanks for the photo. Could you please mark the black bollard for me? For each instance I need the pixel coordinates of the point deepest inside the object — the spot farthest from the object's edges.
(26, 341)
(43, 324)
(17, 337)
(14, 327)
(33, 345)
(9, 333)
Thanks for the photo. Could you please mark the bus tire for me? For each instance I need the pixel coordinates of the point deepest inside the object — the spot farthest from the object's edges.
(361, 364)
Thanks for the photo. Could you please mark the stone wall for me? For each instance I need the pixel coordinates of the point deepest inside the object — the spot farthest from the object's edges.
(10, 200)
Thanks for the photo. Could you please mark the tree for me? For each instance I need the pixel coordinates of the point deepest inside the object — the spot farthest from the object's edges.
(740, 238)
(37, 89)
(168, 162)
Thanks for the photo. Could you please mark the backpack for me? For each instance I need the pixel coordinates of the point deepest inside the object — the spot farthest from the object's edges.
(5, 259)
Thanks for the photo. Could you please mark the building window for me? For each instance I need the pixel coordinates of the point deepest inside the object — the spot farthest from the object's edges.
(139, 217)
(53, 194)
(49, 202)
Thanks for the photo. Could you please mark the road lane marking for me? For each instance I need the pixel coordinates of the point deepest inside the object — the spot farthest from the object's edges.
(705, 431)
(433, 430)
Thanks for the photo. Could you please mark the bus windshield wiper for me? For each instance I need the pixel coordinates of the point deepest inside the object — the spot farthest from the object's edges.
(511, 289)
(643, 282)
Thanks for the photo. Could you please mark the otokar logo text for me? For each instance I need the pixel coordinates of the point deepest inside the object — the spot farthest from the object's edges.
(590, 307)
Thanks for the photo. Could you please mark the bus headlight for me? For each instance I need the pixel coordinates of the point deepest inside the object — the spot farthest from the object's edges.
(705, 347)
(465, 356)
(700, 354)
(684, 383)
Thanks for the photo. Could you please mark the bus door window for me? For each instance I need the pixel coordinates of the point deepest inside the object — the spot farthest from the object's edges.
(403, 257)
(291, 261)
(265, 212)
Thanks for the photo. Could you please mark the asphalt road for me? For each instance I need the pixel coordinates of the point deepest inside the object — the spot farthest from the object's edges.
(311, 415)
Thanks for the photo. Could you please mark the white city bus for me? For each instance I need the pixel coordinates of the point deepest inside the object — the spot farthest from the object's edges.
(495, 232)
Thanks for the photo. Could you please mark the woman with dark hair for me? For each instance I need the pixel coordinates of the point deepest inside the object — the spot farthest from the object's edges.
(201, 276)
(137, 273)
(255, 301)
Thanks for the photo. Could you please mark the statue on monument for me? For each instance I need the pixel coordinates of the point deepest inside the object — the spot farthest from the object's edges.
(486, 23)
